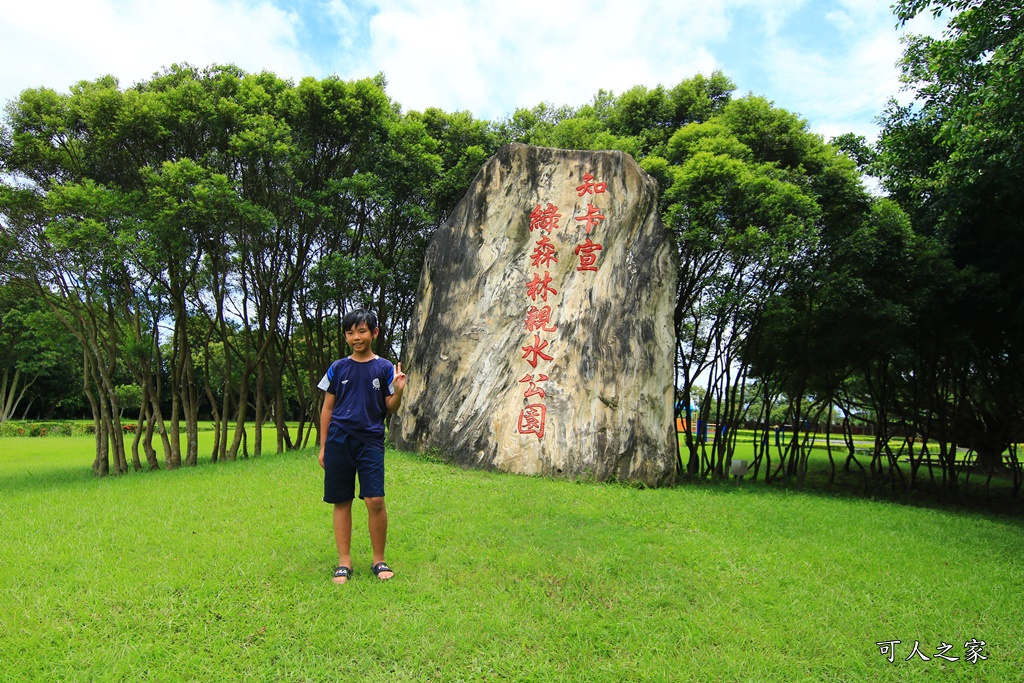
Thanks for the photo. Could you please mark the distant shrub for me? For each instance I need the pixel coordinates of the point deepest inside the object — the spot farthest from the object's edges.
(28, 428)
(62, 429)
(12, 428)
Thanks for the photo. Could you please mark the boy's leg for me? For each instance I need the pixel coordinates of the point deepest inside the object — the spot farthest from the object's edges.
(339, 490)
(343, 535)
(377, 513)
(371, 490)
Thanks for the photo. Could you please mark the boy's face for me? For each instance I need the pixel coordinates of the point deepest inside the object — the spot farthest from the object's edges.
(359, 337)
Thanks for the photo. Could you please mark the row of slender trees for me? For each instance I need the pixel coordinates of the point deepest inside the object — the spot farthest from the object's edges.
(201, 231)
(908, 310)
(226, 218)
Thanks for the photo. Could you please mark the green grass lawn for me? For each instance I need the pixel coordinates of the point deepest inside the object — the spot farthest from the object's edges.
(222, 573)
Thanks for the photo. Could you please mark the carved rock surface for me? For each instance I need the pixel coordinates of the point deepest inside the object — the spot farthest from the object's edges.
(577, 385)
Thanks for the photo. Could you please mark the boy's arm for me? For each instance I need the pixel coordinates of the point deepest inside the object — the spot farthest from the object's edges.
(395, 399)
(325, 422)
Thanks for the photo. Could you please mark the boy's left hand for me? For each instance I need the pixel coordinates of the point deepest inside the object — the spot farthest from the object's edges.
(399, 381)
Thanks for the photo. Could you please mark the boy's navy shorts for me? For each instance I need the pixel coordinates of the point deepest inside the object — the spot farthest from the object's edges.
(344, 458)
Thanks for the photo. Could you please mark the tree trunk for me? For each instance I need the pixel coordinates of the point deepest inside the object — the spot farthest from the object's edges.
(11, 397)
(277, 355)
(147, 440)
(101, 463)
(136, 439)
(257, 446)
(191, 406)
(243, 390)
(179, 347)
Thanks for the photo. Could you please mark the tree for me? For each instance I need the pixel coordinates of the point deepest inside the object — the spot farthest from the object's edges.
(640, 121)
(953, 160)
(751, 195)
(34, 353)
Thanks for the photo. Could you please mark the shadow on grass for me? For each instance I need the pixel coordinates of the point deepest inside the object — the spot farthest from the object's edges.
(44, 478)
(996, 499)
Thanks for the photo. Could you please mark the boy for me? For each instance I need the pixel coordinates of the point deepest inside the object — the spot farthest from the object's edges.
(359, 393)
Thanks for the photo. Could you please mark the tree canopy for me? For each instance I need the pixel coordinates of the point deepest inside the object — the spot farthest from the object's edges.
(199, 233)
(952, 158)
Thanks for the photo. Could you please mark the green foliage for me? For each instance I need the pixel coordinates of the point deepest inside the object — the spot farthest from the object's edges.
(857, 148)
(952, 160)
(749, 211)
(966, 123)
(204, 196)
(773, 135)
(38, 356)
(639, 121)
(25, 428)
(129, 396)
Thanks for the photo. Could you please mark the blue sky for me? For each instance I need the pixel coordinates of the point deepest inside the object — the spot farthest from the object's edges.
(833, 62)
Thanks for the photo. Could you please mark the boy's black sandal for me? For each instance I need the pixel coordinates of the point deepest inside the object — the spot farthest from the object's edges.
(343, 572)
(381, 567)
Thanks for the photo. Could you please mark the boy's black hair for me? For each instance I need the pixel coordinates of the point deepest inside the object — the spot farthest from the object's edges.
(355, 318)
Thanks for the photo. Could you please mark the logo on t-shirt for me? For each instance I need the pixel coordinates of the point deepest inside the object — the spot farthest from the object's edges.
(376, 383)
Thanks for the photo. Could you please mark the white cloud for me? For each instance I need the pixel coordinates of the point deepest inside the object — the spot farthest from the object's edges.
(493, 57)
(772, 14)
(345, 23)
(837, 93)
(55, 43)
(844, 87)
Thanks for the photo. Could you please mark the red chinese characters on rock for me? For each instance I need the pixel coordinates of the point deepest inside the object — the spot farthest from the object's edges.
(532, 419)
(532, 353)
(533, 416)
(590, 188)
(545, 220)
(540, 286)
(588, 255)
(544, 253)
(534, 390)
(539, 319)
(592, 218)
(587, 251)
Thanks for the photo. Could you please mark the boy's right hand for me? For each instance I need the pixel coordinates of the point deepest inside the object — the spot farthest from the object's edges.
(321, 459)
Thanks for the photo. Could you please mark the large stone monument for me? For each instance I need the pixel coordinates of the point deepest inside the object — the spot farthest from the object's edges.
(542, 339)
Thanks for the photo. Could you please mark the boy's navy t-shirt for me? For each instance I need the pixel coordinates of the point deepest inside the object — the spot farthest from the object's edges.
(359, 390)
